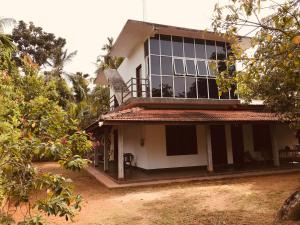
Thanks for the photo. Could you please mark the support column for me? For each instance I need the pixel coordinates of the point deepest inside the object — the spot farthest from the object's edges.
(210, 167)
(96, 158)
(275, 148)
(228, 144)
(120, 153)
(105, 151)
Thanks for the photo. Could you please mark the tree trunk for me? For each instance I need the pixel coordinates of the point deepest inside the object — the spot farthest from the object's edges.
(291, 208)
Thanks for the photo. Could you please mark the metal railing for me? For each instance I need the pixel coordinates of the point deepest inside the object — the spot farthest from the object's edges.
(135, 88)
(113, 102)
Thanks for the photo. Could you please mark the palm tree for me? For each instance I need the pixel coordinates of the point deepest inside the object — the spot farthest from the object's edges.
(59, 59)
(6, 25)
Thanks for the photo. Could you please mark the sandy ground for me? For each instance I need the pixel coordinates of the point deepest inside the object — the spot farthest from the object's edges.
(246, 201)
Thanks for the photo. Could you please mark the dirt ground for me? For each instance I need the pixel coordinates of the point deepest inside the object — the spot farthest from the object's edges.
(246, 201)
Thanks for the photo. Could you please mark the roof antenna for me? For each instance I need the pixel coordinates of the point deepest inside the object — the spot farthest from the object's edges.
(144, 10)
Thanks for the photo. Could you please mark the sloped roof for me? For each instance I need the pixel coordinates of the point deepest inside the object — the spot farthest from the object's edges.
(139, 114)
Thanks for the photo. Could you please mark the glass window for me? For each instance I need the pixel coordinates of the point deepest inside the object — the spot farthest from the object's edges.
(202, 88)
(228, 50)
(179, 87)
(191, 90)
(233, 95)
(189, 50)
(213, 89)
(167, 86)
(202, 69)
(221, 50)
(200, 49)
(165, 45)
(212, 66)
(154, 44)
(190, 67)
(211, 50)
(179, 67)
(222, 66)
(177, 46)
(156, 84)
(225, 95)
(146, 49)
(231, 70)
(155, 64)
(166, 65)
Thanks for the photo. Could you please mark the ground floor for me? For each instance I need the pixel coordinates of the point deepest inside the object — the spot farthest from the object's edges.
(250, 201)
(146, 151)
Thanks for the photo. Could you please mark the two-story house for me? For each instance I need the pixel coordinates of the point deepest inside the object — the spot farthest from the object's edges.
(167, 111)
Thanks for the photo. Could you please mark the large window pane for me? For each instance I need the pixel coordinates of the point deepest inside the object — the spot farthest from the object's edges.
(202, 69)
(228, 50)
(191, 90)
(202, 88)
(155, 64)
(224, 95)
(213, 88)
(154, 44)
(221, 50)
(179, 87)
(200, 49)
(232, 92)
(166, 65)
(179, 67)
(189, 50)
(167, 86)
(177, 46)
(165, 45)
(190, 67)
(222, 66)
(212, 66)
(156, 84)
(211, 50)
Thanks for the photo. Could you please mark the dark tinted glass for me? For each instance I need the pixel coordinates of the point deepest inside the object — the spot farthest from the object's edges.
(212, 66)
(166, 65)
(213, 88)
(154, 45)
(190, 67)
(200, 49)
(179, 68)
(156, 84)
(221, 66)
(179, 87)
(224, 95)
(232, 90)
(189, 50)
(221, 50)
(167, 86)
(165, 45)
(228, 50)
(191, 90)
(202, 87)
(146, 49)
(155, 64)
(211, 50)
(202, 70)
(177, 46)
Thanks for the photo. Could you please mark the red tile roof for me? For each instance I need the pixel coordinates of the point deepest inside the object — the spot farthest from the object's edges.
(188, 115)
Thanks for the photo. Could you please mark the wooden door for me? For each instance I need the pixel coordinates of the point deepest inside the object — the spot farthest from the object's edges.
(138, 81)
(218, 144)
(237, 144)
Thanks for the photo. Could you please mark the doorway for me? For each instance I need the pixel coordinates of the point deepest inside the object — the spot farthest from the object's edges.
(138, 75)
(218, 144)
(237, 144)
(116, 147)
(262, 141)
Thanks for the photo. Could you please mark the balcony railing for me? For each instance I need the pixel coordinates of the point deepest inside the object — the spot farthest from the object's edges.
(113, 102)
(135, 88)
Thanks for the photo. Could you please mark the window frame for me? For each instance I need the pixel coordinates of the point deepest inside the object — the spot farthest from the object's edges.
(183, 63)
(186, 69)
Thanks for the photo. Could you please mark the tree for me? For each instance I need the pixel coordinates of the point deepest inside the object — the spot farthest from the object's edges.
(58, 60)
(33, 41)
(33, 125)
(272, 72)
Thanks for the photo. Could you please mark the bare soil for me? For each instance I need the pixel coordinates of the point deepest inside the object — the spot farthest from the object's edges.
(246, 201)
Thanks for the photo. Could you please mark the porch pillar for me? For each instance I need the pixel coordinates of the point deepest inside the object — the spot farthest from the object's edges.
(228, 144)
(275, 149)
(120, 153)
(96, 158)
(105, 151)
(210, 167)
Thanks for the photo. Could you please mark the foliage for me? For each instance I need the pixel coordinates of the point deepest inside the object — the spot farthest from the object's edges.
(272, 72)
(34, 125)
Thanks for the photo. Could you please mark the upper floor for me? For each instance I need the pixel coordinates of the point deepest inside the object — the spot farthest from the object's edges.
(169, 62)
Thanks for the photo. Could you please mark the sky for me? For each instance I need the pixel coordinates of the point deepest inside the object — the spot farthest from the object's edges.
(86, 24)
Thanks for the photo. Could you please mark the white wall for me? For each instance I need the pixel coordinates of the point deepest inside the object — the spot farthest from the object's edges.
(128, 67)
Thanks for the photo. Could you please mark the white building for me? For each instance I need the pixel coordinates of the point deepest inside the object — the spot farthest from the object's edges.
(167, 112)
